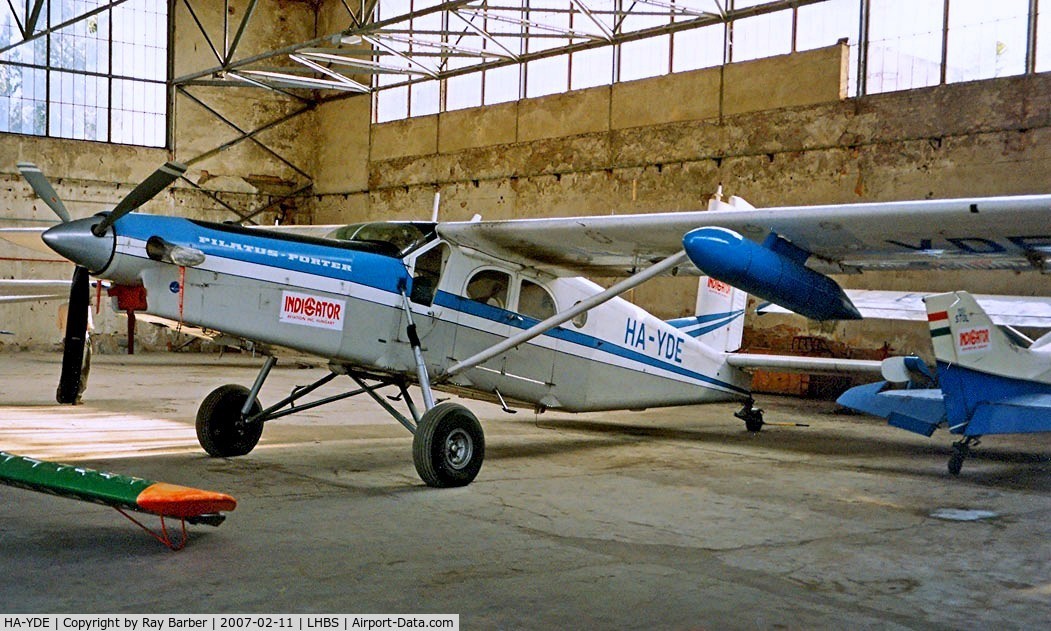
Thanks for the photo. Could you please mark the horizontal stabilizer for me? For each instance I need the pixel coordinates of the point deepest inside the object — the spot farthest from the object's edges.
(916, 410)
(809, 365)
(118, 491)
(1017, 415)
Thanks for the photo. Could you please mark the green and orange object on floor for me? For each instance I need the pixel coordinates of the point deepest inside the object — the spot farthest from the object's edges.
(122, 492)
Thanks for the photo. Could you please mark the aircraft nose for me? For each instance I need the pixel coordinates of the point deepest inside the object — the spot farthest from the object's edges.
(75, 241)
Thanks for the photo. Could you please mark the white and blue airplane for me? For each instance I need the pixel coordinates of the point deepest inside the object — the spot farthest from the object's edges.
(988, 380)
(498, 310)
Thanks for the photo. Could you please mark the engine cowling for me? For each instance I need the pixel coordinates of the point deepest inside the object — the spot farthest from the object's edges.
(763, 271)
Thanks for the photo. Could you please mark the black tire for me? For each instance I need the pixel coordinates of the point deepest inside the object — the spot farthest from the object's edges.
(754, 423)
(220, 428)
(448, 446)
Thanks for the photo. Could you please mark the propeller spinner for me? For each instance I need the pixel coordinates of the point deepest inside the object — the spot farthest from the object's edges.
(89, 244)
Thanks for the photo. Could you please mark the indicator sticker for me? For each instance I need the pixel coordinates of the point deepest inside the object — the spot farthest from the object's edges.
(718, 287)
(972, 340)
(307, 310)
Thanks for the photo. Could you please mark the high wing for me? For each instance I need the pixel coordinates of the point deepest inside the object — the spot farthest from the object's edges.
(969, 233)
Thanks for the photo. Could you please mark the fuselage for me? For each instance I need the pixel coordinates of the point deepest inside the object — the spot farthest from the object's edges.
(343, 301)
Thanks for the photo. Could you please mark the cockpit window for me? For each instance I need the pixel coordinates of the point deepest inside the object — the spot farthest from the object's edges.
(395, 238)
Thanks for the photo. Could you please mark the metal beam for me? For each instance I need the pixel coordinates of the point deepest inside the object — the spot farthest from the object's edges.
(246, 135)
(204, 32)
(33, 16)
(240, 31)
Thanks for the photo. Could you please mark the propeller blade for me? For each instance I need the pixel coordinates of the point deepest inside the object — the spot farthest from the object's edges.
(144, 192)
(76, 337)
(43, 189)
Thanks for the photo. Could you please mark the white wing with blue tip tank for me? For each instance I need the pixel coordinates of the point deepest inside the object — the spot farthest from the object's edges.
(968, 233)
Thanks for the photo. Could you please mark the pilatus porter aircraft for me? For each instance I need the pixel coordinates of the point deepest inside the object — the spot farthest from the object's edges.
(499, 310)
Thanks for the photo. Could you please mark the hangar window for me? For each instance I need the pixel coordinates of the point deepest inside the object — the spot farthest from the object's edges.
(485, 53)
(85, 69)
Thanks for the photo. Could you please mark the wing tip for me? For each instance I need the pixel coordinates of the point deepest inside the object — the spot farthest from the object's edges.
(172, 500)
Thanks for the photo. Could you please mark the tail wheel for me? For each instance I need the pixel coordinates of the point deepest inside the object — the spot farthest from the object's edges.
(449, 446)
(221, 429)
(959, 454)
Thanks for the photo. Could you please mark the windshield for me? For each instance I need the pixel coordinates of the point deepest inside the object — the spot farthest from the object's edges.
(397, 238)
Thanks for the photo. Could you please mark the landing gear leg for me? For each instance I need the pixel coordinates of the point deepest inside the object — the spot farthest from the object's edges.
(448, 445)
(751, 415)
(960, 450)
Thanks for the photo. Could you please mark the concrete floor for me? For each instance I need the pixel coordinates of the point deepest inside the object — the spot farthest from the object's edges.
(667, 519)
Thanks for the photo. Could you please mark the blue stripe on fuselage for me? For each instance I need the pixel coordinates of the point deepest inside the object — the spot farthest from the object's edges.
(364, 268)
(510, 318)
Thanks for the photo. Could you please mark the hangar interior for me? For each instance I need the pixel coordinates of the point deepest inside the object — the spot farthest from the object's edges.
(336, 111)
(304, 112)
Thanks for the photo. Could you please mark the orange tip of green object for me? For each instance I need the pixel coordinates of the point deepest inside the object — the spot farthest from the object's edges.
(172, 500)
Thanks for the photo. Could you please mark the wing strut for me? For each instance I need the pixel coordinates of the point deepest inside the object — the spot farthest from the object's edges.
(560, 318)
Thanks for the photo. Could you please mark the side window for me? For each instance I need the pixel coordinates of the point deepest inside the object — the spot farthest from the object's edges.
(427, 270)
(489, 287)
(534, 301)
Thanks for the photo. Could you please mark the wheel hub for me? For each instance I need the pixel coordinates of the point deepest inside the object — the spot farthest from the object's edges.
(458, 449)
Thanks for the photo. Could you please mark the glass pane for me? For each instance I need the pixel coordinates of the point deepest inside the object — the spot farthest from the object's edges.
(138, 113)
(83, 45)
(34, 52)
(502, 84)
(140, 40)
(489, 287)
(547, 76)
(825, 23)
(23, 104)
(392, 104)
(548, 28)
(761, 36)
(904, 53)
(698, 48)
(592, 68)
(642, 58)
(463, 91)
(534, 301)
(423, 98)
(986, 40)
(79, 106)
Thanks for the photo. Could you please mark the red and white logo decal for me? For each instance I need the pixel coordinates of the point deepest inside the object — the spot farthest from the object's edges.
(972, 340)
(718, 287)
(307, 310)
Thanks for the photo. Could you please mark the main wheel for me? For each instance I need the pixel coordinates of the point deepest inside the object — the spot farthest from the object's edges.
(221, 430)
(448, 447)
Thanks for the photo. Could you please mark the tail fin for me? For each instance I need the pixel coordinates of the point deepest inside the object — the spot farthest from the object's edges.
(963, 335)
(719, 322)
